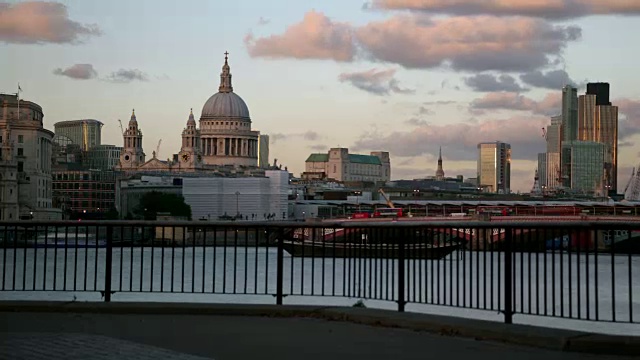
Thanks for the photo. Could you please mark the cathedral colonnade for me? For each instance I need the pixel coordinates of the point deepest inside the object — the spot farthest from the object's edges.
(230, 146)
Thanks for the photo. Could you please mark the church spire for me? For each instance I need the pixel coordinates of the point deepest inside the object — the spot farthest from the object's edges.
(225, 76)
(440, 171)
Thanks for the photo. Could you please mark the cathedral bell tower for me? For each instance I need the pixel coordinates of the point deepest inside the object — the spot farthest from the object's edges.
(132, 155)
(190, 156)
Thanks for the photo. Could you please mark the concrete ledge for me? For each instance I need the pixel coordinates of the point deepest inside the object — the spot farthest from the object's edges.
(548, 338)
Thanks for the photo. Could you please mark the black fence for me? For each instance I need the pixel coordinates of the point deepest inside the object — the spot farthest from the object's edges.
(586, 271)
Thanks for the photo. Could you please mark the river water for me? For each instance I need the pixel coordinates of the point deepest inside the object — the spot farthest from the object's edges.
(469, 284)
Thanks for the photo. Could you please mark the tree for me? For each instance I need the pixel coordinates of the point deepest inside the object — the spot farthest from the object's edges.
(155, 202)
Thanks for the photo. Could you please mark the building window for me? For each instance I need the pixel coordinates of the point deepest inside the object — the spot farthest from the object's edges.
(20, 139)
(20, 152)
(20, 166)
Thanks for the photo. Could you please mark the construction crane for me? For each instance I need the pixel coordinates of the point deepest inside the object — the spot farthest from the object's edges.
(386, 198)
(121, 127)
(158, 148)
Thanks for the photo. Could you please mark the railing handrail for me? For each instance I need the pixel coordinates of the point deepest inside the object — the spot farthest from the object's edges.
(601, 225)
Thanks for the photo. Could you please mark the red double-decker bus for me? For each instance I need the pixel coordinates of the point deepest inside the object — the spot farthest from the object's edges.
(388, 212)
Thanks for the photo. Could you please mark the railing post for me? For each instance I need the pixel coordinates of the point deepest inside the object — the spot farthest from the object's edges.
(401, 274)
(279, 266)
(508, 276)
(108, 264)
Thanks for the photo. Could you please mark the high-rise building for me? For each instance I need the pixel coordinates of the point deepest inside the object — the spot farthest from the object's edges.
(598, 122)
(553, 173)
(84, 133)
(583, 164)
(569, 113)
(263, 151)
(554, 134)
(607, 133)
(601, 91)
(494, 167)
(541, 173)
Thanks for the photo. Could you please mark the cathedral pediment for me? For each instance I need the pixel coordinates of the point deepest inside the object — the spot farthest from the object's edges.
(155, 164)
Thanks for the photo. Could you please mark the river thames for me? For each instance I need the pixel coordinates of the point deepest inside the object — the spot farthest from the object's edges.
(470, 283)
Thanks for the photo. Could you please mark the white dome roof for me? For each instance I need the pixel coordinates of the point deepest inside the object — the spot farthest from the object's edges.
(226, 105)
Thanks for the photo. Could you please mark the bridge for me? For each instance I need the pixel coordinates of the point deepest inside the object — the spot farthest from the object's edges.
(528, 238)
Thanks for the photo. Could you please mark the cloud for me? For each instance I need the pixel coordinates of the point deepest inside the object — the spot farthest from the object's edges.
(310, 135)
(549, 9)
(630, 109)
(374, 81)
(274, 138)
(35, 22)
(77, 71)
(492, 83)
(466, 43)
(425, 111)
(554, 79)
(551, 104)
(465, 135)
(319, 147)
(307, 135)
(416, 122)
(263, 21)
(418, 41)
(440, 102)
(315, 37)
(127, 75)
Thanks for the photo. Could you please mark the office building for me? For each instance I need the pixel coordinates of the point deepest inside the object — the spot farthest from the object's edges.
(583, 165)
(338, 164)
(25, 161)
(84, 133)
(601, 91)
(569, 113)
(541, 174)
(494, 167)
(103, 157)
(598, 122)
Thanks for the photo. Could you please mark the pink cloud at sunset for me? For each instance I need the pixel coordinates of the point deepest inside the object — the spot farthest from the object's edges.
(41, 22)
(315, 37)
(550, 9)
(415, 41)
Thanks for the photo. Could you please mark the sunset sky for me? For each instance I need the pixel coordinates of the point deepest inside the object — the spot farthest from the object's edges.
(406, 76)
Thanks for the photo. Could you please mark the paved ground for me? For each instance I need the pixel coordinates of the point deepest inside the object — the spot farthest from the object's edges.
(37, 346)
(121, 336)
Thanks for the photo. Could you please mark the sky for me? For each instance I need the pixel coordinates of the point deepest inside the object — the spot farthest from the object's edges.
(404, 76)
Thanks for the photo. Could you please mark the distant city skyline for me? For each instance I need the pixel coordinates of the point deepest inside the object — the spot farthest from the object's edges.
(318, 74)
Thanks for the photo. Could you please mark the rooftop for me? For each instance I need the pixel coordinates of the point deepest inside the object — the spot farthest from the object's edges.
(354, 158)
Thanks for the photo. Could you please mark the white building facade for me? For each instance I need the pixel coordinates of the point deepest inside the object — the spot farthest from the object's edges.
(249, 198)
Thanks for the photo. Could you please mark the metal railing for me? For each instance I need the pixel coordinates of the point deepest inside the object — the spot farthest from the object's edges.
(577, 270)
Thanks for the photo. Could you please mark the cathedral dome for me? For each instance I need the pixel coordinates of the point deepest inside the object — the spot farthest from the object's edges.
(225, 103)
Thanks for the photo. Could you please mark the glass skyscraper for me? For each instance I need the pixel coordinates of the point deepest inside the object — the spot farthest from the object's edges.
(494, 167)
